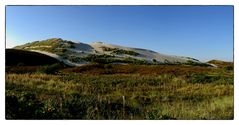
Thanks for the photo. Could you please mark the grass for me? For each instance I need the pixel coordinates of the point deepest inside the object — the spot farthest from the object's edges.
(120, 92)
(187, 70)
(120, 51)
(54, 45)
(107, 59)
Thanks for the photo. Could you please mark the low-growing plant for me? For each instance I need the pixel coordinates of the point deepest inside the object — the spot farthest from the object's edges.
(203, 78)
(50, 69)
(128, 52)
(120, 51)
(110, 91)
(24, 107)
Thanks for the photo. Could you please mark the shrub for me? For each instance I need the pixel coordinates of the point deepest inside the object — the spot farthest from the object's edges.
(75, 59)
(156, 114)
(228, 68)
(166, 61)
(192, 58)
(26, 107)
(77, 105)
(128, 52)
(189, 62)
(50, 69)
(134, 61)
(120, 51)
(107, 48)
(203, 78)
(154, 61)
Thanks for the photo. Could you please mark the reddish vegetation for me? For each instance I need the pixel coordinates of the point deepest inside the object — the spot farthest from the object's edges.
(97, 69)
(22, 69)
(221, 64)
(138, 69)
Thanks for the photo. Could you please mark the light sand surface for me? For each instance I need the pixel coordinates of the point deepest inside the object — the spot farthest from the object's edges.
(83, 49)
(60, 59)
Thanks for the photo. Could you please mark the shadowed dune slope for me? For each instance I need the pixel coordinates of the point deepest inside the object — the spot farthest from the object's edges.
(26, 58)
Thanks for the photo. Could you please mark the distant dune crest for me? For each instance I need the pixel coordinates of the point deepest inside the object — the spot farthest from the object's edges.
(78, 53)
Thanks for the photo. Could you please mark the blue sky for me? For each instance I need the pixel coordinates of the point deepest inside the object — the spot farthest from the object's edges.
(202, 32)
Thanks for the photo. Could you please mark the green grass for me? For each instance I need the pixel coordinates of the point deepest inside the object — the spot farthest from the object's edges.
(54, 45)
(107, 59)
(54, 42)
(120, 51)
(205, 94)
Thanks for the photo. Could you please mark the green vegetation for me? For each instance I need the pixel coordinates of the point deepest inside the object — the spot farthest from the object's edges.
(222, 64)
(54, 42)
(128, 52)
(192, 58)
(54, 45)
(119, 92)
(189, 62)
(107, 59)
(49, 69)
(104, 59)
(108, 48)
(40, 87)
(154, 61)
(63, 49)
(120, 51)
(74, 59)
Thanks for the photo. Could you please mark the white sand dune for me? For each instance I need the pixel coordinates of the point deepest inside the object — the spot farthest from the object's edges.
(60, 58)
(144, 54)
(82, 50)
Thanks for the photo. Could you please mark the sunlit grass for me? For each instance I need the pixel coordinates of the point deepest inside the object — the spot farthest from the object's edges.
(159, 95)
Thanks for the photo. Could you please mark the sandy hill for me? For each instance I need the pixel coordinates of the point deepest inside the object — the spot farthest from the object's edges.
(77, 53)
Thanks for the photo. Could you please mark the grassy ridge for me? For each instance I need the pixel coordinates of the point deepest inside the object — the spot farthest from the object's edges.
(112, 92)
(69, 50)
(51, 43)
(54, 45)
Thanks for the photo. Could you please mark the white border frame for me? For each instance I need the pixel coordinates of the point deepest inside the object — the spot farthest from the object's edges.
(119, 2)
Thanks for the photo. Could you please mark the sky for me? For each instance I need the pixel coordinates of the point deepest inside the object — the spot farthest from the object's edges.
(201, 32)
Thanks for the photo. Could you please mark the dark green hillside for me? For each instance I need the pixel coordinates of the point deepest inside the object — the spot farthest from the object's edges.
(26, 58)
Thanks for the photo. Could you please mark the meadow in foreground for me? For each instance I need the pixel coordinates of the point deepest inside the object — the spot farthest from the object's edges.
(119, 92)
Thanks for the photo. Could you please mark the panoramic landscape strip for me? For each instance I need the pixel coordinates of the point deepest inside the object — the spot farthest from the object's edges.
(137, 62)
